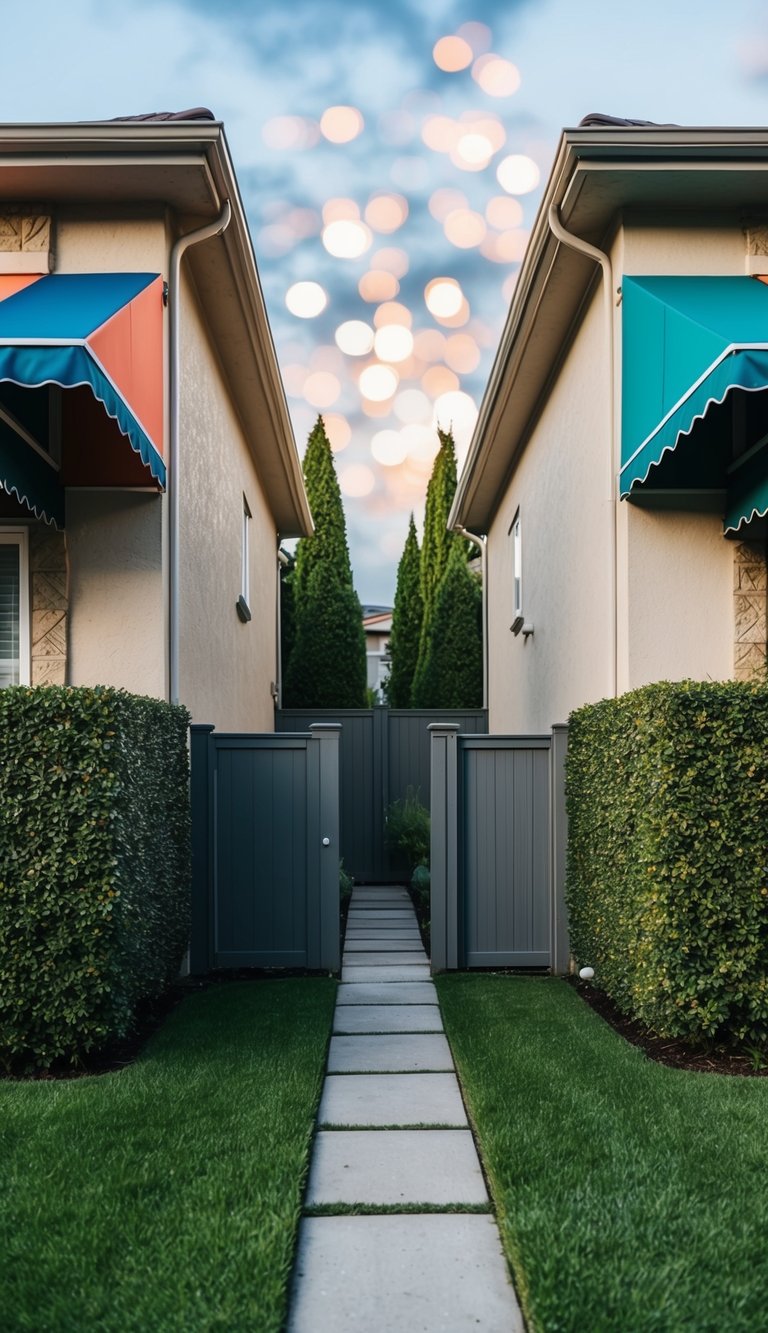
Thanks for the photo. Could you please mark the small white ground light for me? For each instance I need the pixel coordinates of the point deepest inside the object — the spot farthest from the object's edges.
(586, 973)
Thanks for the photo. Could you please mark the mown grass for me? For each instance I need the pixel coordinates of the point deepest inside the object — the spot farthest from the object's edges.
(166, 1196)
(631, 1196)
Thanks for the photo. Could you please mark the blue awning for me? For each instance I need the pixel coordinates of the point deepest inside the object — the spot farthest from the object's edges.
(98, 331)
(688, 343)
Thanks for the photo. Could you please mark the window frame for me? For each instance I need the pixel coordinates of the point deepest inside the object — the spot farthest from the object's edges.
(243, 603)
(516, 533)
(19, 537)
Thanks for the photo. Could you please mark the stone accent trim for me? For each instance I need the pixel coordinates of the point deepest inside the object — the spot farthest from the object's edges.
(750, 603)
(49, 605)
(26, 242)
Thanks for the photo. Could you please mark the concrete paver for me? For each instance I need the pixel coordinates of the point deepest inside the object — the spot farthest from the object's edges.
(389, 1064)
(392, 1099)
(403, 992)
(387, 1018)
(390, 1052)
(395, 1166)
(409, 957)
(385, 975)
(403, 1274)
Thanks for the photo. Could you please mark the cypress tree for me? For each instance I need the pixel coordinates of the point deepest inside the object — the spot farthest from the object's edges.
(435, 548)
(406, 624)
(327, 665)
(452, 676)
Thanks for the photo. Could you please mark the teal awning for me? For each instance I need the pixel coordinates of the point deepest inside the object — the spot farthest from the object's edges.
(689, 343)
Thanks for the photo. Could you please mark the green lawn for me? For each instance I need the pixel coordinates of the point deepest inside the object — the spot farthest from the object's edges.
(167, 1196)
(631, 1196)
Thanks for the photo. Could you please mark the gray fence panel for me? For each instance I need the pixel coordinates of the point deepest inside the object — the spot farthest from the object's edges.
(265, 880)
(505, 864)
(383, 753)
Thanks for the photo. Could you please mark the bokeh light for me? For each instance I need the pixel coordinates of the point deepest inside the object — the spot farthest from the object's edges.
(354, 337)
(443, 297)
(458, 320)
(321, 388)
(392, 312)
(452, 54)
(497, 77)
(356, 480)
(338, 430)
(340, 209)
(503, 212)
(477, 34)
(393, 342)
(341, 124)
(462, 353)
(439, 380)
(290, 133)
(411, 405)
(345, 239)
(389, 448)
(293, 376)
(456, 411)
(378, 285)
(386, 212)
(392, 260)
(464, 228)
(378, 383)
(306, 300)
(518, 174)
(442, 202)
(429, 344)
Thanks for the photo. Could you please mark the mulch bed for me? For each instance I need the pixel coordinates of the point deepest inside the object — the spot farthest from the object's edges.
(667, 1050)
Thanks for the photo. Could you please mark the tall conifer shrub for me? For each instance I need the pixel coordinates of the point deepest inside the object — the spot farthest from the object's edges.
(327, 666)
(452, 674)
(406, 624)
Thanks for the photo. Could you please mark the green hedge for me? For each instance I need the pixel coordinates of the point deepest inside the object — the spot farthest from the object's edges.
(94, 866)
(667, 889)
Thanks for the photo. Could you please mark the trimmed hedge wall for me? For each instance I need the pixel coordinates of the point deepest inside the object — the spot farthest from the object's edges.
(94, 866)
(667, 885)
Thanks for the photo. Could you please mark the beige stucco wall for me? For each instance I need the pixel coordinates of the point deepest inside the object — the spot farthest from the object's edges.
(561, 487)
(116, 590)
(226, 667)
(118, 245)
(674, 570)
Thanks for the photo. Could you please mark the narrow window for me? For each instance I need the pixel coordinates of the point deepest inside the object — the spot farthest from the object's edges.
(243, 603)
(14, 608)
(517, 575)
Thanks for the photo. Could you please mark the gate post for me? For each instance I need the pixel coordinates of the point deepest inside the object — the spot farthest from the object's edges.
(443, 859)
(327, 736)
(200, 797)
(560, 946)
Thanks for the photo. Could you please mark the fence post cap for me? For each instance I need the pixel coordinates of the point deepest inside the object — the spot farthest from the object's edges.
(201, 726)
(325, 726)
(443, 726)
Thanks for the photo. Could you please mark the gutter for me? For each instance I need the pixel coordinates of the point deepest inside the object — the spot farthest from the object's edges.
(601, 258)
(178, 251)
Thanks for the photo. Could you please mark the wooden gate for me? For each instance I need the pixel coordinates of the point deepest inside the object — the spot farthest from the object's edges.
(498, 850)
(384, 751)
(265, 850)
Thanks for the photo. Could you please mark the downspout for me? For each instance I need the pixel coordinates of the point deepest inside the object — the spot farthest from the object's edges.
(482, 546)
(282, 561)
(599, 256)
(177, 253)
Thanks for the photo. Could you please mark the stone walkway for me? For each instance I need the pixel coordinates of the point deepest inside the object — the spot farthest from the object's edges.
(423, 1255)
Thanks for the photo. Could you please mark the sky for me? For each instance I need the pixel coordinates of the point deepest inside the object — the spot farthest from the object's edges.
(391, 156)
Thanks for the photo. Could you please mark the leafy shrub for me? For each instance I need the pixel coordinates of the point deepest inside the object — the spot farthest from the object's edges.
(346, 883)
(420, 882)
(667, 886)
(407, 828)
(94, 866)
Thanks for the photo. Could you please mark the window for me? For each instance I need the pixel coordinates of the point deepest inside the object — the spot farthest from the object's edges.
(243, 603)
(14, 607)
(517, 575)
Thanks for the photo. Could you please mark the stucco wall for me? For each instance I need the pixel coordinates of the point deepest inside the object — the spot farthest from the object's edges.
(226, 667)
(642, 250)
(561, 487)
(117, 620)
(119, 245)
